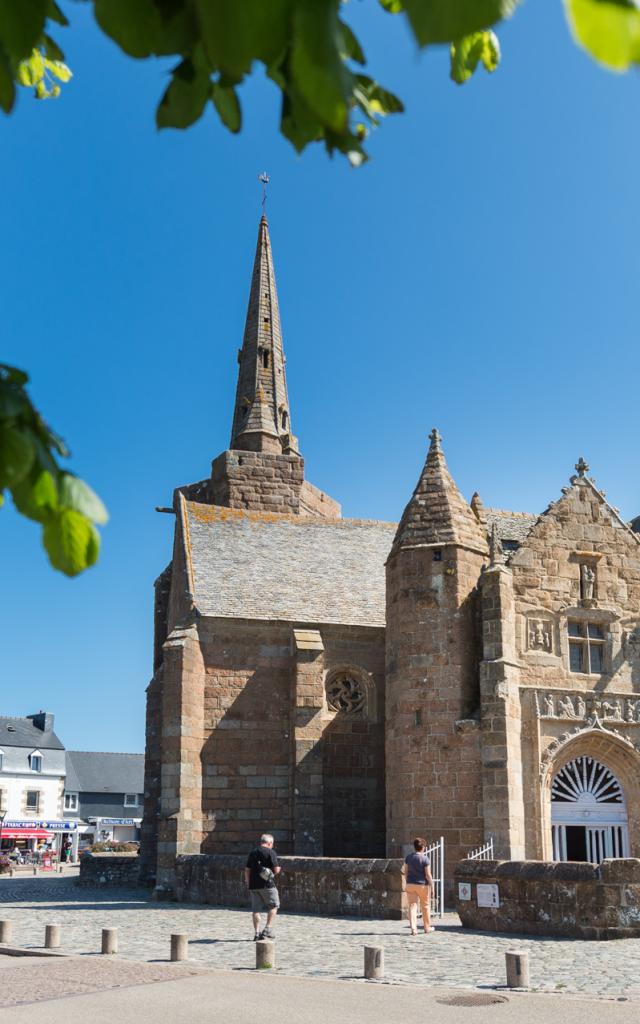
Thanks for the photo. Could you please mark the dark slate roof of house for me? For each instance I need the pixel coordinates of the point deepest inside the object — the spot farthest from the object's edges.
(91, 771)
(21, 732)
(258, 565)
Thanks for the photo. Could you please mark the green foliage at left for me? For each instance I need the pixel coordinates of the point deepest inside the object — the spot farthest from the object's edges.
(29, 56)
(65, 506)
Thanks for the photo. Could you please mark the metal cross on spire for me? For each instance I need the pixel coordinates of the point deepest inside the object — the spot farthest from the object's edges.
(265, 179)
(582, 467)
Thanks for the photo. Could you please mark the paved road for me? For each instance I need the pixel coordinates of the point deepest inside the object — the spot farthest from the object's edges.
(243, 998)
(314, 947)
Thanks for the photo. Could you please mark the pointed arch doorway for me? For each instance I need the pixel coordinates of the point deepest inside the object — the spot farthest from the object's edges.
(588, 812)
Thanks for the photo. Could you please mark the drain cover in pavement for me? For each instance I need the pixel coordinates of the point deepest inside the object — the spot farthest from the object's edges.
(473, 999)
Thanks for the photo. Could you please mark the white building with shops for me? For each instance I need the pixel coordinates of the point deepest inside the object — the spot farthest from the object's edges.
(32, 782)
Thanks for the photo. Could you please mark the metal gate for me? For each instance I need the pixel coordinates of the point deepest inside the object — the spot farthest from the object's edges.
(482, 852)
(436, 854)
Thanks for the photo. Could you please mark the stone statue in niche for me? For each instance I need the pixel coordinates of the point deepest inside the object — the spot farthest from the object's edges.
(587, 582)
(631, 711)
(540, 635)
(612, 709)
(581, 706)
(566, 708)
(632, 644)
(549, 706)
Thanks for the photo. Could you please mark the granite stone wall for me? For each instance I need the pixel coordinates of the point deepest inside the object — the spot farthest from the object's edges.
(113, 869)
(316, 885)
(579, 900)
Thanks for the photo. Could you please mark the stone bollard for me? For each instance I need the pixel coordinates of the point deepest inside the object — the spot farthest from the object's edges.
(517, 969)
(109, 940)
(6, 931)
(179, 945)
(265, 954)
(60, 869)
(52, 936)
(11, 872)
(374, 962)
(35, 870)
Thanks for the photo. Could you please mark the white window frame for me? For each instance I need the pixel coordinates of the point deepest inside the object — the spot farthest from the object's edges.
(585, 643)
(38, 755)
(134, 803)
(35, 809)
(72, 806)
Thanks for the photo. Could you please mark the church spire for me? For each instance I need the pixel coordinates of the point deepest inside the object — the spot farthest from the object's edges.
(261, 418)
(437, 513)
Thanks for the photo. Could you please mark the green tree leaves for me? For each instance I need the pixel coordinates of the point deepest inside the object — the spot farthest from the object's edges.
(608, 29)
(441, 21)
(186, 96)
(39, 72)
(305, 46)
(225, 100)
(468, 52)
(28, 54)
(72, 541)
(64, 505)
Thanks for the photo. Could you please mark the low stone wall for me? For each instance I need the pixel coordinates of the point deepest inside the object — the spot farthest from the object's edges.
(548, 898)
(109, 869)
(314, 885)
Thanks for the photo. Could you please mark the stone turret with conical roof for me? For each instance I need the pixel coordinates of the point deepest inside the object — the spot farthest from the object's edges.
(263, 469)
(432, 664)
(437, 513)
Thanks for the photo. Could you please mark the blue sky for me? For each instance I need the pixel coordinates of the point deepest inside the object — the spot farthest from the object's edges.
(479, 274)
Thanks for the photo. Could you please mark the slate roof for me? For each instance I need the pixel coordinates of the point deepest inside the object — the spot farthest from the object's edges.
(91, 771)
(258, 565)
(510, 525)
(21, 732)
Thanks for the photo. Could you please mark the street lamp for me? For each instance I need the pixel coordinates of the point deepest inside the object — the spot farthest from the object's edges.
(3, 815)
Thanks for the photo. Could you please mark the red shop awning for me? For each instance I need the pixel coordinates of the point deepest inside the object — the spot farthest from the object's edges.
(25, 833)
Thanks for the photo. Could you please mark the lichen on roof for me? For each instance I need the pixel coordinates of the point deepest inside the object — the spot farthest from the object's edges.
(261, 565)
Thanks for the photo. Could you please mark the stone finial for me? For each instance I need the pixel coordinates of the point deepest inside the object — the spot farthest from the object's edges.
(582, 467)
(435, 438)
(495, 547)
(477, 507)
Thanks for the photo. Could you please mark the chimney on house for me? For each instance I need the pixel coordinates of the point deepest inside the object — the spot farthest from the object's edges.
(43, 721)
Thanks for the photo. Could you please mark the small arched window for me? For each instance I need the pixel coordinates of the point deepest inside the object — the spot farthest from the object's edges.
(264, 352)
(285, 419)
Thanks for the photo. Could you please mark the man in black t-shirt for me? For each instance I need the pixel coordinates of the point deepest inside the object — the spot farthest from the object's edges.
(262, 867)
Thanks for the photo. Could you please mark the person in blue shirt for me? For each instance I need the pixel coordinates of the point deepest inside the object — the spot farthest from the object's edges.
(418, 885)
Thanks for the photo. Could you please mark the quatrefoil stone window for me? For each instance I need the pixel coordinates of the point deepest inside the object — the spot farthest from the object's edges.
(345, 693)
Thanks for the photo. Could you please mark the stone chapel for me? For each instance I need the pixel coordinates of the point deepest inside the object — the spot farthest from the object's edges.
(470, 672)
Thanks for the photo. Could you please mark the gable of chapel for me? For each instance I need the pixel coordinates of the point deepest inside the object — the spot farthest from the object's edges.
(578, 567)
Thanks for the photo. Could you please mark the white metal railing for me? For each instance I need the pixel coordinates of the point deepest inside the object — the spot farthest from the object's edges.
(482, 852)
(436, 854)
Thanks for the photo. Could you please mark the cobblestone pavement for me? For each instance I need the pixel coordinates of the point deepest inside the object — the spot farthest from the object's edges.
(310, 946)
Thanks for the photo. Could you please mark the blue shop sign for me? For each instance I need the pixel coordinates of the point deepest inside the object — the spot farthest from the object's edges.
(117, 821)
(51, 826)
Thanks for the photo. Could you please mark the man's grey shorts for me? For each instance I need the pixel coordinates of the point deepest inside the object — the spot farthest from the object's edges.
(264, 899)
